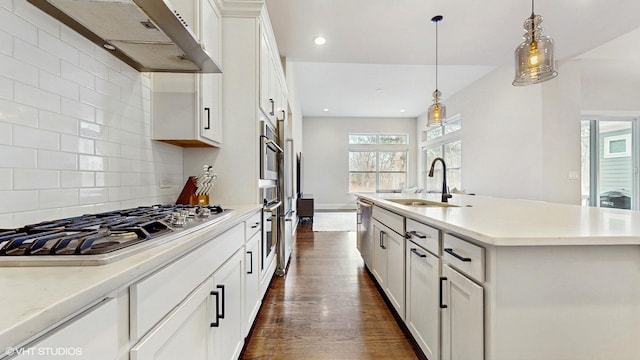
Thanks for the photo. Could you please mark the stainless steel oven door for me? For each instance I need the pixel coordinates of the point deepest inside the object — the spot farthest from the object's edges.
(269, 150)
(269, 233)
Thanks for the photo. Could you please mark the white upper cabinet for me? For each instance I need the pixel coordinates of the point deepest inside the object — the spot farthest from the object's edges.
(273, 93)
(187, 108)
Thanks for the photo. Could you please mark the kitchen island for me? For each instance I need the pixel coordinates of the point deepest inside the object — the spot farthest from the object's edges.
(509, 279)
(133, 307)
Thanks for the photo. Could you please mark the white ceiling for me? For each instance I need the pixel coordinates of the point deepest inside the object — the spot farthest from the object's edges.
(389, 45)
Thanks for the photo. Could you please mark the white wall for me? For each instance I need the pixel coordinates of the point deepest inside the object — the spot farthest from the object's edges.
(326, 155)
(74, 126)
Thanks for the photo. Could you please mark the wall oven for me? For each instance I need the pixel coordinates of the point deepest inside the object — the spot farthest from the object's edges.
(269, 150)
(270, 211)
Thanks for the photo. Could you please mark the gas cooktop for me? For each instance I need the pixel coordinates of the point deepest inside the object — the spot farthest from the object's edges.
(101, 238)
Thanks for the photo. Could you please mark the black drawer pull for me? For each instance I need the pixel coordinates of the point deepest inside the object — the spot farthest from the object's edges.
(442, 306)
(461, 258)
(250, 262)
(216, 323)
(208, 111)
(415, 251)
(255, 225)
(410, 234)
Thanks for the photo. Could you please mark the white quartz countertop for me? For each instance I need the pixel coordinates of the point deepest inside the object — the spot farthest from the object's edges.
(33, 299)
(513, 222)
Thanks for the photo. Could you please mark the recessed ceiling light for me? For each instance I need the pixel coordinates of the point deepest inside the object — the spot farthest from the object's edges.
(325, 109)
(379, 90)
(109, 47)
(320, 40)
(402, 110)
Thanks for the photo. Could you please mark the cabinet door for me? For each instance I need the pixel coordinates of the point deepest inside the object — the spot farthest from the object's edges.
(462, 319)
(395, 270)
(92, 335)
(423, 299)
(228, 338)
(252, 282)
(210, 29)
(184, 333)
(265, 75)
(211, 111)
(379, 269)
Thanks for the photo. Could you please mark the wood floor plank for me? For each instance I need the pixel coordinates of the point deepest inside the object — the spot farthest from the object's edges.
(326, 307)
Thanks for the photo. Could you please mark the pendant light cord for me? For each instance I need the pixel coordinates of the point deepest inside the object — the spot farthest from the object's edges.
(437, 54)
(532, 13)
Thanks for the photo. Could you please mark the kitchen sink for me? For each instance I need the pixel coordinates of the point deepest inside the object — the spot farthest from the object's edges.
(420, 202)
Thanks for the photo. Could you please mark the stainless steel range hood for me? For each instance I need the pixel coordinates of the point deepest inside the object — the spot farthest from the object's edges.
(149, 35)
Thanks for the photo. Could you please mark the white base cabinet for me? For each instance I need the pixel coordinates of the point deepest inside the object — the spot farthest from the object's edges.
(388, 264)
(423, 299)
(252, 297)
(92, 335)
(462, 318)
(228, 337)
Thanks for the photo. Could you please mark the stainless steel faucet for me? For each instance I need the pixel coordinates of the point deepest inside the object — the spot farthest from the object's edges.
(445, 190)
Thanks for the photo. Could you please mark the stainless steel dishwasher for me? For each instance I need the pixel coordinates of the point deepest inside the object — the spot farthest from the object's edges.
(365, 231)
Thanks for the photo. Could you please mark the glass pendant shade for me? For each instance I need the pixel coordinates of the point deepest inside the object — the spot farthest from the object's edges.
(437, 112)
(534, 57)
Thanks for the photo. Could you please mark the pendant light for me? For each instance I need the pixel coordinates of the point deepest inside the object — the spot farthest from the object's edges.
(437, 112)
(534, 57)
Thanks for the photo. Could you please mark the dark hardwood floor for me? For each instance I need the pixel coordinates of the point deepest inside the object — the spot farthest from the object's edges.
(326, 307)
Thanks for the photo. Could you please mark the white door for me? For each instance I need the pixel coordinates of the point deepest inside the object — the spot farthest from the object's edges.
(423, 299)
(462, 318)
(210, 109)
(395, 270)
(379, 269)
(228, 337)
(184, 333)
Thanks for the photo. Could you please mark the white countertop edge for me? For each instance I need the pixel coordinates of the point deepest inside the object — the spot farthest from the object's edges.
(22, 322)
(514, 240)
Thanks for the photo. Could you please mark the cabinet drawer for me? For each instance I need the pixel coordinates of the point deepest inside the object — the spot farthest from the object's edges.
(252, 225)
(424, 235)
(155, 296)
(464, 256)
(393, 221)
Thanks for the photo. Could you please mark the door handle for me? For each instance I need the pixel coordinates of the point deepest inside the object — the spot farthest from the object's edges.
(273, 107)
(221, 287)
(208, 111)
(216, 322)
(442, 306)
(382, 233)
(410, 234)
(415, 251)
(250, 262)
(457, 256)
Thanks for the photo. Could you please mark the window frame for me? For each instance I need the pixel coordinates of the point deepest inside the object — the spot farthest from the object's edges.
(378, 148)
(445, 137)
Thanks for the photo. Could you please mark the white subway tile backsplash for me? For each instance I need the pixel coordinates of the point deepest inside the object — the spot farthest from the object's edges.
(18, 70)
(6, 43)
(57, 160)
(32, 179)
(105, 148)
(33, 55)
(76, 144)
(17, 26)
(53, 45)
(6, 179)
(14, 201)
(35, 97)
(107, 179)
(57, 122)
(74, 73)
(18, 114)
(93, 195)
(56, 84)
(77, 110)
(6, 134)
(16, 157)
(57, 198)
(77, 179)
(92, 163)
(75, 125)
(35, 138)
(93, 66)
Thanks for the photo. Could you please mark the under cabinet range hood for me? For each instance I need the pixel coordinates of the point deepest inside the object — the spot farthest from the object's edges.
(149, 35)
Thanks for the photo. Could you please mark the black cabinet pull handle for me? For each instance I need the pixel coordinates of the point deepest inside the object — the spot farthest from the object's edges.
(382, 234)
(255, 225)
(208, 111)
(273, 107)
(461, 258)
(216, 323)
(221, 287)
(415, 251)
(250, 262)
(442, 306)
(410, 234)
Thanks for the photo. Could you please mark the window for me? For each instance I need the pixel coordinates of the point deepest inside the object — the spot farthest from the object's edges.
(617, 146)
(377, 162)
(443, 141)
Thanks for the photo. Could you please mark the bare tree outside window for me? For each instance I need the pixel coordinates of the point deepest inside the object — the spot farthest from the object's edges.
(376, 169)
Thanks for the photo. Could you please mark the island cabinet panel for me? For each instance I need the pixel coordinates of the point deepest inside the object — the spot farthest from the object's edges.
(462, 317)
(388, 264)
(379, 269)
